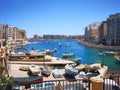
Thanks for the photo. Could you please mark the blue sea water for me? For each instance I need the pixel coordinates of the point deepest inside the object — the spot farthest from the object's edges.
(87, 55)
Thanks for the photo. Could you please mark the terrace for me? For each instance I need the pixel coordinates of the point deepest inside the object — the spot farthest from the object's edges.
(73, 84)
(110, 82)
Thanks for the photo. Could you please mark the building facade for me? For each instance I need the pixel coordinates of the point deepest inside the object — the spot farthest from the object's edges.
(103, 33)
(91, 32)
(11, 34)
(113, 30)
(87, 34)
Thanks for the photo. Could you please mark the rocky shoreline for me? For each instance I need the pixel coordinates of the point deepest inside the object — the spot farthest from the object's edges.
(98, 46)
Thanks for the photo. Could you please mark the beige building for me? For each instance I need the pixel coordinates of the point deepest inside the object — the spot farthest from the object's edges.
(91, 32)
(113, 30)
(103, 33)
(12, 34)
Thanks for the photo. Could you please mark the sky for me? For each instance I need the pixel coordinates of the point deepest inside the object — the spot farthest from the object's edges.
(56, 17)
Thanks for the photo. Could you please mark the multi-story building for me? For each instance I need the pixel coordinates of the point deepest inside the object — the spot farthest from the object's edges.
(12, 34)
(94, 31)
(91, 32)
(36, 37)
(103, 33)
(113, 29)
(87, 33)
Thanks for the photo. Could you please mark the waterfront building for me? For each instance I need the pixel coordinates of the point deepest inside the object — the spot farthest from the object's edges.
(103, 33)
(22, 34)
(37, 37)
(11, 35)
(7, 31)
(94, 31)
(113, 30)
(62, 36)
(1, 35)
(87, 33)
(91, 32)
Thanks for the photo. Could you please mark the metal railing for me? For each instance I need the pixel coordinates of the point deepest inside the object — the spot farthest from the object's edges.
(110, 83)
(69, 84)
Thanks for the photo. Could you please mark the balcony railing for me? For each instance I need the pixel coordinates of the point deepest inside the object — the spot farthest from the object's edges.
(111, 83)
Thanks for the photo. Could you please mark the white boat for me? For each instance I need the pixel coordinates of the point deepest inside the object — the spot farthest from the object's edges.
(34, 69)
(17, 56)
(55, 49)
(57, 73)
(35, 54)
(110, 52)
(67, 55)
(71, 70)
(46, 70)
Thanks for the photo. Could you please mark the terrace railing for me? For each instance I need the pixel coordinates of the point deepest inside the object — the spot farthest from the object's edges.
(111, 83)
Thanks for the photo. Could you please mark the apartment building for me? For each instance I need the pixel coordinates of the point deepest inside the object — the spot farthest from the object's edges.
(113, 29)
(103, 33)
(12, 34)
(87, 33)
(91, 32)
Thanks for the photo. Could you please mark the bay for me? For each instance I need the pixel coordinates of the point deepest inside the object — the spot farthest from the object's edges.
(87, 55)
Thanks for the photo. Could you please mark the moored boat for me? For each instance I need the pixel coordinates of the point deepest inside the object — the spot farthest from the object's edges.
(71, 70)
(34, 69)
(67, 55)
(27, 81)
(16, 56)
(57, 73)
(110, 52)
(46, 70)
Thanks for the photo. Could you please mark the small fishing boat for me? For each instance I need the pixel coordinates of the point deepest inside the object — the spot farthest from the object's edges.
(48, 52)
(57, 73)
(71, 70)
(60, 45)
(110, 52)
(24, 68)
(17, 56)
(35, 54)
(67, 55)
(46, 70)
(34, 69)
(117, 56)
(55, 49)
(27, 81)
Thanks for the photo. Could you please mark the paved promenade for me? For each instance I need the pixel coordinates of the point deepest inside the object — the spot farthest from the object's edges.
(54, 61)
(98, 46)
(14, 70)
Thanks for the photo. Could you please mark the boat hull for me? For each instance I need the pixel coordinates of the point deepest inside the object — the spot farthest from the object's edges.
(57, 73)
(71, 70)
(68, 55)
(28, 80)
(46, 71)
(73, 74)
(34, 69)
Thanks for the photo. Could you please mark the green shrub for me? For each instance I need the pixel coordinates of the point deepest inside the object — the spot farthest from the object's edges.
(6, 83)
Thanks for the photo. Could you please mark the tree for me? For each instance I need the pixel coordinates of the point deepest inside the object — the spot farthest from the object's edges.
(6, 83)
